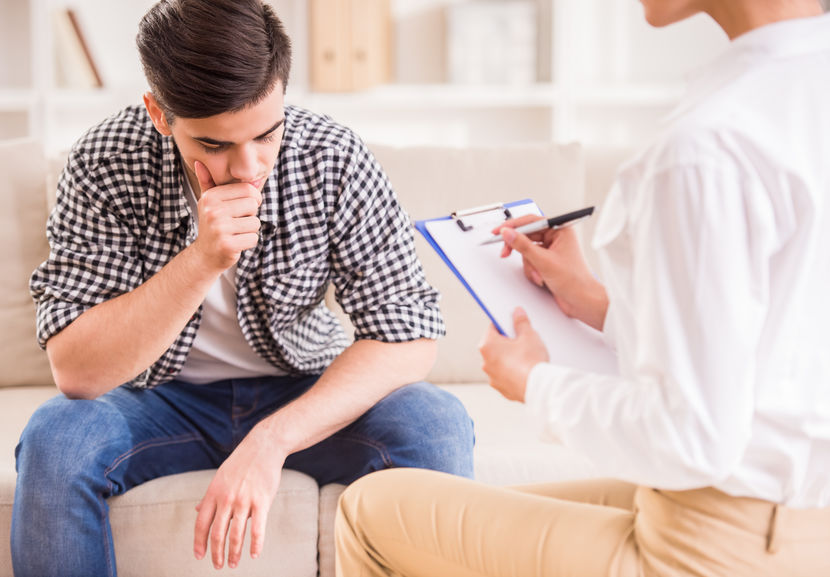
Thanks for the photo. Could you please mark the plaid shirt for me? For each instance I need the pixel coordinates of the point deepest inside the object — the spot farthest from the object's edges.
(328, 215)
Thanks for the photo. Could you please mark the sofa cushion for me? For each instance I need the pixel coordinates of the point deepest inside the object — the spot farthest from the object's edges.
(23, 246)
(152, 526)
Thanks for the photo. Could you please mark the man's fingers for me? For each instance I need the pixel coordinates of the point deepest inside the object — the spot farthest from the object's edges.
(244, 225)
(236, 536)
(233, 202)
(204, 177)
(218, 536)
(203, 521)
(259, 517)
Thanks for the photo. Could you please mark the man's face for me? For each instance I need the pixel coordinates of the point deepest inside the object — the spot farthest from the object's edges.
(234, 146)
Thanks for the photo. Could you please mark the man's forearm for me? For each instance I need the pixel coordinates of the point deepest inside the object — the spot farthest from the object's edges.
(361, 376)
(115, 341)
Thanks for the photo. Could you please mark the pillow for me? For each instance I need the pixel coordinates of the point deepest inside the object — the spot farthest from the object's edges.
(434, 181)
(23, 246)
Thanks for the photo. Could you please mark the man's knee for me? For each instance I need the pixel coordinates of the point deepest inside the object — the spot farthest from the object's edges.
(63, 435)
(439, 434)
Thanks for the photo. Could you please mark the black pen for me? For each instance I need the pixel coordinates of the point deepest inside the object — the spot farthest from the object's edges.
(545, 223)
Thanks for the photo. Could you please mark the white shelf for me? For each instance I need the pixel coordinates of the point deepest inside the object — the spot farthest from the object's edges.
(628, 95)
(17, 100)
(541, 95)
(426, 96)
(80, 98)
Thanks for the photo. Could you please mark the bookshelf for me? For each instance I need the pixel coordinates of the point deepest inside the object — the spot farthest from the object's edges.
(601, 75)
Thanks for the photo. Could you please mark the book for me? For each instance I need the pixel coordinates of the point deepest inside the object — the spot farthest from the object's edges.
(74, 64)
(349, 44)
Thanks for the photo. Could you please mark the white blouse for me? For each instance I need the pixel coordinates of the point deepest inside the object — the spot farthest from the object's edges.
(715, 252)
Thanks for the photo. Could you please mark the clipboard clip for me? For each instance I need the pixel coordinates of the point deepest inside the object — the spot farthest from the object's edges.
(459, 215)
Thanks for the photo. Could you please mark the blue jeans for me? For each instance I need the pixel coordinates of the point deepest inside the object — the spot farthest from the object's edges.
(75, 454)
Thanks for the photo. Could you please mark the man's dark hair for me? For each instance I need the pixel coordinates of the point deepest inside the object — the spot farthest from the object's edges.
(208, 57)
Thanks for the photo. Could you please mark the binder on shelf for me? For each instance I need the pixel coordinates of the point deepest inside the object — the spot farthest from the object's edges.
(349, 43)
(74, 64)
(329, 46)
(498, 284)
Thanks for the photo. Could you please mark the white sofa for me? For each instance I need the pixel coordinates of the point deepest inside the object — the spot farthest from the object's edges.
(153, 523)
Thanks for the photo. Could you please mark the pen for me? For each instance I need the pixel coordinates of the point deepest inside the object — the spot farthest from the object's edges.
(545, 223)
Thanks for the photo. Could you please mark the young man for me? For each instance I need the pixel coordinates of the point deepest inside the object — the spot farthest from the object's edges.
(715, 246)
(182, 304)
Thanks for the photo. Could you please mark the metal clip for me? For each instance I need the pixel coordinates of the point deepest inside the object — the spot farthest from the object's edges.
(459, 214)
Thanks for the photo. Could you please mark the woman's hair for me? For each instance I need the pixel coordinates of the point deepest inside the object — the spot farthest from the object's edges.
(208, 57)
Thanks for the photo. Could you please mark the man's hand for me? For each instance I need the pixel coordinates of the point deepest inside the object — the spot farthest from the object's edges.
(244, 488)
(228, 222)
(554, 259)
(508, 361)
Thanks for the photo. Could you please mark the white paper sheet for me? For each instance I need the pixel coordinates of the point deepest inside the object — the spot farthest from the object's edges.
(500, 285)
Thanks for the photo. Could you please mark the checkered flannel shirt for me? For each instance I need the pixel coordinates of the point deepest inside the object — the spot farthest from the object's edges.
(328, 215)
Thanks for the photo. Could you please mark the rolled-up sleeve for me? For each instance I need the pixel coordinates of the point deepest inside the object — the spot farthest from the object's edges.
(92, 256)
(378, 278)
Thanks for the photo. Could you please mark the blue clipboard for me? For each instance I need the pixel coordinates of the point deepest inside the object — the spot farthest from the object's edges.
(421, 225)
(569, 342)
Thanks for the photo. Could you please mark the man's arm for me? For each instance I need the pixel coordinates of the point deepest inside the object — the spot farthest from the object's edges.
(247, 482)
(114, 341)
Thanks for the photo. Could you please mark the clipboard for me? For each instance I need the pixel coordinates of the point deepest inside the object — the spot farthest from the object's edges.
(498, 284)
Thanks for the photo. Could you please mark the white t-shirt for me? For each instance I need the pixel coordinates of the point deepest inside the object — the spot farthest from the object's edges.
(715, 251)
(220, 350)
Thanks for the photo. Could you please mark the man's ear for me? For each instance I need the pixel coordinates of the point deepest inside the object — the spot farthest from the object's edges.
(157, 114)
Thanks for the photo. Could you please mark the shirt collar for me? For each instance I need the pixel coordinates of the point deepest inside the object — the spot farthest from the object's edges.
(777, 40)
(291, 136)
(173, 201)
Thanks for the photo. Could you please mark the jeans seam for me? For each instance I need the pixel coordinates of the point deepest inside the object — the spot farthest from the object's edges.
(149, 444)
(380, 448)
(235, 419)
(250, 411)
(103, 507)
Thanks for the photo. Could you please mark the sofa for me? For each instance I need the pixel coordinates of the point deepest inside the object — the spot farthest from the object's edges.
(153, 523)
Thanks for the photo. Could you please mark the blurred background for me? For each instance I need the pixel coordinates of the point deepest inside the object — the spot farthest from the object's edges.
(400, 72)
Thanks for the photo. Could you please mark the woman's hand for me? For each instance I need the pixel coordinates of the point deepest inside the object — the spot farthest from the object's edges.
(554, 259)
(508, 361)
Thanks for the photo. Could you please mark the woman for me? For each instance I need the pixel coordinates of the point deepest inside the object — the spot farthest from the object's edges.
(715, 252)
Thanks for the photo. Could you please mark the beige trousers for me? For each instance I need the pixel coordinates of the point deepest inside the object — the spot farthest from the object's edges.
(416, 523)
